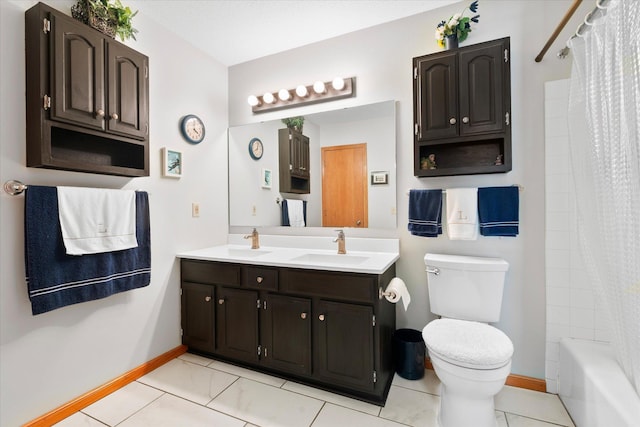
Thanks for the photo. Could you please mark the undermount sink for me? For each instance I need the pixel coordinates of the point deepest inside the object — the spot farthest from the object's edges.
(345, 259)
(236, 252)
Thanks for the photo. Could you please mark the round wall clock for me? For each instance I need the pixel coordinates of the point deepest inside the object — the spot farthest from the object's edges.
(256, 149)
(192, 128)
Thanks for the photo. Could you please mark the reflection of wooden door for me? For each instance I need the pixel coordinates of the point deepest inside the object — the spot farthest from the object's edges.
(344, 186)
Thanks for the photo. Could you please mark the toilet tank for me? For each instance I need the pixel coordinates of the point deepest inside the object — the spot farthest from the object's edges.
(465, 287)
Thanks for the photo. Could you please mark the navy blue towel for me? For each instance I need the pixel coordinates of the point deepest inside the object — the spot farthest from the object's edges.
(498, 211)
(55, 279)
(285, 213)
(425, 212)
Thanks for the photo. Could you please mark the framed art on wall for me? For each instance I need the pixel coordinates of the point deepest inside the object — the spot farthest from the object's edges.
(171, 163)
(266, 178)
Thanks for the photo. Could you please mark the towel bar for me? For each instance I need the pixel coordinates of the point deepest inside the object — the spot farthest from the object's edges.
(520, 187)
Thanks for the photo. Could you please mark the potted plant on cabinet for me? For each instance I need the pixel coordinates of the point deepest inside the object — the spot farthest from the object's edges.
(109, 17)
(294, 123)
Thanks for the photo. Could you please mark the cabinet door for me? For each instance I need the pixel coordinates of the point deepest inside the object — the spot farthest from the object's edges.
(436, 97)
(481, 89)
(237, 323)
(77, 78)
(343, 347)
(299, 154)
(128, 111)
(198, 316)
(286, 334)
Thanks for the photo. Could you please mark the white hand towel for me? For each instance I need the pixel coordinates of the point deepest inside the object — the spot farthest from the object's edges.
(296, 213)
(97, 220)
(462, 213)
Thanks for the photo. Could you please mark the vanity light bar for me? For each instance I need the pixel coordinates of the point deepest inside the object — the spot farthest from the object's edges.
(319, 91)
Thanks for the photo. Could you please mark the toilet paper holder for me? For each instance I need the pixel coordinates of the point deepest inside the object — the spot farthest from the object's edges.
(382, 294)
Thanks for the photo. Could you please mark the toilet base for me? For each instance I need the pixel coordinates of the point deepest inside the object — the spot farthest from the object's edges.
(462, 411)
(466, 395)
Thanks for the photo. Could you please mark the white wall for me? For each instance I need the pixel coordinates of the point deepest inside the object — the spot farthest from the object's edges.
(380, 58)
(49, 359)
(571, 308)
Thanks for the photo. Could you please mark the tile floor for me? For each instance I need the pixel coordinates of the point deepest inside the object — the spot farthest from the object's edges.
(196, 391)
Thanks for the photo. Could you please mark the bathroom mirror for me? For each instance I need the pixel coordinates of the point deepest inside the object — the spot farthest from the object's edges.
(370, 127)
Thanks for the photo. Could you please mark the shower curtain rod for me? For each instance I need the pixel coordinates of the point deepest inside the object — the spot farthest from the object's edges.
(586, 23)
(559, 28)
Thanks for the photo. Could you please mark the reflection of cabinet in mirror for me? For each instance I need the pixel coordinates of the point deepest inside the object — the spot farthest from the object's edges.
(293, 161)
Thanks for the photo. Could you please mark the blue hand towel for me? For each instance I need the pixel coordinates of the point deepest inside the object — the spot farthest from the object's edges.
(425, 212)
(55, 279)
(498, 211)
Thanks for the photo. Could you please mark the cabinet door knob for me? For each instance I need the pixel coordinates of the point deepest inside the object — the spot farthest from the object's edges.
(303, 316)
(321, 317)
(207, 298)
(100, 113)
(465, 120)
(221, 301)
(259, 279)
(452, 120)
(114, 116)
(358, 222)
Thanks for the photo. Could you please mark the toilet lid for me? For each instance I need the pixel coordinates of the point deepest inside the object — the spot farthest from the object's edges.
(469, 344)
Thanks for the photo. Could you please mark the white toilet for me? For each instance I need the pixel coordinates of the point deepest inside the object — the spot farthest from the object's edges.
(471, 358)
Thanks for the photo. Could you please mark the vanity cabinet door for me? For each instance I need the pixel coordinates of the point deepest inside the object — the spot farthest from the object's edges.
(343, 346)
(198, 316)
(237, 323)
(286, 333)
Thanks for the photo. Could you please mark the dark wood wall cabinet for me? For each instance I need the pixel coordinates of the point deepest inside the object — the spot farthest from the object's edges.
(87, 98)
(462, 110)
(294, 161)
(323, 328)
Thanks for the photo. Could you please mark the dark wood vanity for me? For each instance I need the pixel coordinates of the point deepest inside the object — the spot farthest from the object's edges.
(462, 110)
(87, 98)
(327, 329)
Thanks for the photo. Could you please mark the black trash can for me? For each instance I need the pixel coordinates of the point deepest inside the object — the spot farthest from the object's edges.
(408, 353)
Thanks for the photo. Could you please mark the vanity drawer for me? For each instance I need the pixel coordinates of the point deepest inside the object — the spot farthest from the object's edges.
(343, 286)
(261, 278)
(210, 272)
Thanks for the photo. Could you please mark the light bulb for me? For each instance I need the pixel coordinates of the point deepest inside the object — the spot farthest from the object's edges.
(318, 87)
(301, 91)
(268, 98)
(338, 83)
(284, 95)
(253, 100)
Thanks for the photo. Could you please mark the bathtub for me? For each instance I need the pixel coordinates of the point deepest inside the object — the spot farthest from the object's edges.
(593, 388)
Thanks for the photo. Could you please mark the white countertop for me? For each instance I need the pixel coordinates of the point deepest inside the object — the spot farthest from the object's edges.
(372, 256)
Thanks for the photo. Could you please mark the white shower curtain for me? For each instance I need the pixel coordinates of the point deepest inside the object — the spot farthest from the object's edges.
(604, 132)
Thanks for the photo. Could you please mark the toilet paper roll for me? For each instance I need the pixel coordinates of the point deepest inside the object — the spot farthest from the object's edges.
(397, 290)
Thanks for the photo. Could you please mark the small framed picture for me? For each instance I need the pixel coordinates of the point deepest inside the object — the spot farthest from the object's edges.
(266, 178)
(171, 163)
(379, 177)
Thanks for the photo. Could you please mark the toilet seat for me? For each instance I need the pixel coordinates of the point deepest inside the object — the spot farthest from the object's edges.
(468, 344)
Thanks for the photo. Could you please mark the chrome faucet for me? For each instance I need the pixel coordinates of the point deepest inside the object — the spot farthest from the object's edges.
(341, 243)
(255, 239)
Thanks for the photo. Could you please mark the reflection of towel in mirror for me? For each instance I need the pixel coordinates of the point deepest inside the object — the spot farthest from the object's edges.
(97, 220)
(462, 213)
(296, 213)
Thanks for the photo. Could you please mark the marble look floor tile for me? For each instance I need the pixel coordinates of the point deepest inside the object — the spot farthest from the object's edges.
(532, 404)
(337, 416)
(79, 420)
(194, 358)
(172, 411)
(193, 382)
(265, 405)
(327, 396)
(520, 421)
(411, 407)
(428, 384)
(246, 373)
(122, 403)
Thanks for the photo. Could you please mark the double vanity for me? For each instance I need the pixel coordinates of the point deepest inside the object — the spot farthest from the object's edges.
(295, 308)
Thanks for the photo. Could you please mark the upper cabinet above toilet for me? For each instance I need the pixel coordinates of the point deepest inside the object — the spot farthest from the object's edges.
(462, 110)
